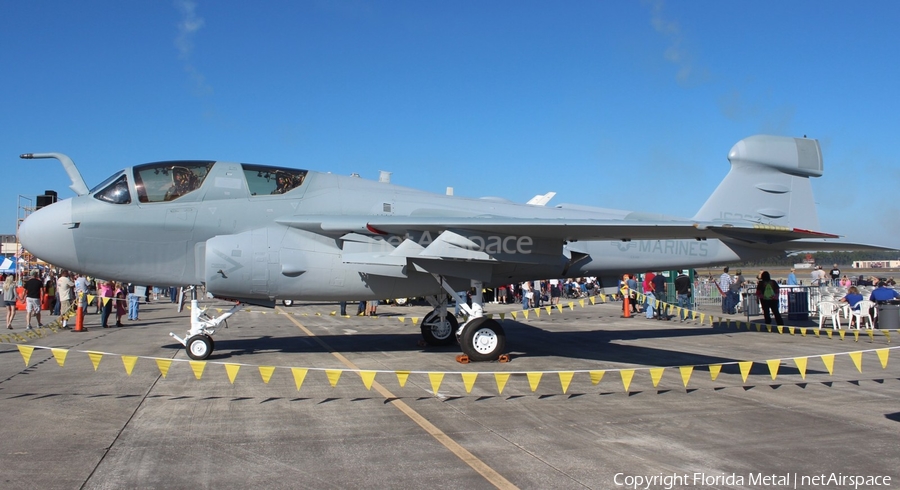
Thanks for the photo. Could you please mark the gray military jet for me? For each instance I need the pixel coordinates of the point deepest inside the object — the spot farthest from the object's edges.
(256, 234)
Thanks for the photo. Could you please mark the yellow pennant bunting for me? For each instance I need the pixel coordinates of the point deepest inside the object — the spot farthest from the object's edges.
(415, 320)
(829, 332)
(402, 376)
(231, 370)
(593, 302)
(887, 335)
(513, 313)
(791, 330)
(60, 356)
(198, 367)
(871, 334)
(525, 313)
(503, 316)
(828, 360)
(367, 378)
(129, 362)
(559, 307)
(686, 372)
(490, 316)
(333, 376)
(402, 319)
(801, 365)
(773, 367)
(163, 365)
(656, 375)
(627, 375)
(571, 305)
(299, 376)
(856, 357)
(803, 331)
(856, 336)
(534, 379)
(841, 333)
(95, 358)
(702, 317)
(537, 311)
(26, 351)
(469, 380)
(780, 329)
(581, 303)
(758, 327)
(745, 369)
(436, 379)
(769, 328)
(714, 370)
(333, 313)
(596, 376)
(266, 373)
(565, 377)
(501, 379)
(883, 357)
(549, 309)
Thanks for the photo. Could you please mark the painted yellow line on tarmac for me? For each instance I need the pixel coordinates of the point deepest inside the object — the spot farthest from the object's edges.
(470, 459)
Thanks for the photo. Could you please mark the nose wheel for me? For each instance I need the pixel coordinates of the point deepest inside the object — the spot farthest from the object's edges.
(199, 347)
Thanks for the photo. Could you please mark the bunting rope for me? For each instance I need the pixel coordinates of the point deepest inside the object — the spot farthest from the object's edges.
(468, 378)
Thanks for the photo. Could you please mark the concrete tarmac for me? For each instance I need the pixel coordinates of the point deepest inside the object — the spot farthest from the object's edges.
(74, 426)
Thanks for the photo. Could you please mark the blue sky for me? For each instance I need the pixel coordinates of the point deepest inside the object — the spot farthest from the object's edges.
(629, 105)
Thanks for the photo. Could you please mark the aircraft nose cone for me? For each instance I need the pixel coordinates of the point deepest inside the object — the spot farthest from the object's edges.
(48, 234)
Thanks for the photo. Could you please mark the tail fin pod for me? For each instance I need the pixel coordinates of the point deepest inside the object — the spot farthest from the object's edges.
(768, 183)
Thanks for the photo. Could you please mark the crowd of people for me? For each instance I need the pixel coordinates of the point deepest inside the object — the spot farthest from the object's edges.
(61, 292)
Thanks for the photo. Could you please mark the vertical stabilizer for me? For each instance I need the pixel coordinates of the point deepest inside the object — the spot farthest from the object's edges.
(768, 183)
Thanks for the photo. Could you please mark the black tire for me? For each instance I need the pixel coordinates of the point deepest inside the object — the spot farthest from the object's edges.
(483, 339)
(438, 334)
(199, 347)
(287, 302)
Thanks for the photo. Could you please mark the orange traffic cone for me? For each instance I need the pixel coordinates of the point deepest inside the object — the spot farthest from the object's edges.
(79, 318)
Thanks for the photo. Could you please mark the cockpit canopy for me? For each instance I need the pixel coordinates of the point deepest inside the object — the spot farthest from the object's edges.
(264, 180)
(167, 181)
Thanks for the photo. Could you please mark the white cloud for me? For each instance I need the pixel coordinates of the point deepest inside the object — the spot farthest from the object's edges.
(188, 27)
(675, 53)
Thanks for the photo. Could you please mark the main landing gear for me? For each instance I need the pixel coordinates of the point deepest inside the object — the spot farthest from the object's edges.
(480, 338)
(198, 342)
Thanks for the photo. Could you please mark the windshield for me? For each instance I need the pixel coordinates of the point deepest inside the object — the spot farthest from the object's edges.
(167, 181)
(116, 192)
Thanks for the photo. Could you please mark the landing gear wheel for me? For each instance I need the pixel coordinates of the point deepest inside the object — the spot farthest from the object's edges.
(438, 333)
(199, 347)
(287, 302)
(483, 339)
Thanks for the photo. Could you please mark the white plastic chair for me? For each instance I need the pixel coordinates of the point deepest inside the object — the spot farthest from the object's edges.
(832, 310)
(863, 312)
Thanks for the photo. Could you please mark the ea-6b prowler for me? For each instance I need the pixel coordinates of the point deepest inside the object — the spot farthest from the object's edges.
(256, 234)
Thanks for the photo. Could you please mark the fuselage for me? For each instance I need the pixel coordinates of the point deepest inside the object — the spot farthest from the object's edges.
(234, 229)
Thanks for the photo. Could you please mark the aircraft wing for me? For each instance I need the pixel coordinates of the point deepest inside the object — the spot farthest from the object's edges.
(827, 245)
(561, 229)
